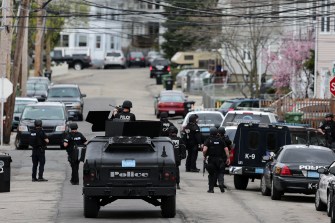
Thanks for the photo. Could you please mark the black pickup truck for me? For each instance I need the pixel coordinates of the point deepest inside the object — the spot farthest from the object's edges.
(77, 61)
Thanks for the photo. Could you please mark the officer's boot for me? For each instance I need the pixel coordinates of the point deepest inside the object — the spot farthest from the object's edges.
(221, 186)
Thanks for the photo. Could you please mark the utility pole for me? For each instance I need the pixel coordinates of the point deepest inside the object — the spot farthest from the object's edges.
(9, 106)
(38, 60)
(24, 65)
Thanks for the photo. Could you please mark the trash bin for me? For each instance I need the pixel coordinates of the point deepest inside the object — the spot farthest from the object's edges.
(47, 74)
(158, 78)
(165, 77)
(168, 83)
(293, 117)
(5, 161)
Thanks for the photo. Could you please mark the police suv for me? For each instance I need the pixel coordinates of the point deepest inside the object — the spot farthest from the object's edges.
(129, 162)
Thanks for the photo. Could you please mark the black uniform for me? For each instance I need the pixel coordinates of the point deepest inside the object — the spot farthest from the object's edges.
(216, 161)
(193, 142)
(165, 125)
(227, 141)
(74, 139)
(37, 141)
(328, 127)
(125, 116)
(179, 153)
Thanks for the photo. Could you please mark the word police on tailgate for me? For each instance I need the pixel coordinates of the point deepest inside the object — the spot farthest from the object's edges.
(128, 174)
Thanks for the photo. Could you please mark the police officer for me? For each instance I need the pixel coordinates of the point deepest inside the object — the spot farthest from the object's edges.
(327, 128)
(192, 138)
(179, 150)
(222, 133)
(126, 114)
(165, 124)
(38, 140)
(71, 141)
(217, 152)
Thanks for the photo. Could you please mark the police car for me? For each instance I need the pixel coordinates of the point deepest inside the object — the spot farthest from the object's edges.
(249, 116)
(207, 118)
(294, 170)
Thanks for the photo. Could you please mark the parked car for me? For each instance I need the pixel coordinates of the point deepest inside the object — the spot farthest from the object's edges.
(294, 170)
(71, 96)
(180, 76)
(115, 58)
(173, 102)
(38, 90)
(233, 104)
(54, 122)
(159, 66)
(20, 104)
(151, 56)
(207, 119)
(136, 59)
(324, 193)
(39, 79)
(78, 60)
(195, 79)
(249, 116)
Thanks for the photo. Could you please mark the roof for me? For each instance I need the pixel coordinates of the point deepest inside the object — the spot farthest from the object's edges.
(243, 99)
(64, 86)
(251, 111)
(25, 99)
(303, 146)
(47, 104)
(171, 92)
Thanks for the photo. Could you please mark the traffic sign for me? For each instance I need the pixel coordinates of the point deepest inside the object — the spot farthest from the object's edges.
(6, 88)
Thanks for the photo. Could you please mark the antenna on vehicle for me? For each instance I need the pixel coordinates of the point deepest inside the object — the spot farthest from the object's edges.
(164, 152)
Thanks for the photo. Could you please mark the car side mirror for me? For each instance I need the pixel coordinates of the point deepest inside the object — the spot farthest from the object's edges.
(83, 95)
(17, 118)
(322, 170)
(332, 170)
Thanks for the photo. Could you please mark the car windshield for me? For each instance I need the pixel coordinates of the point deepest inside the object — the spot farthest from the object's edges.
(307, 156)
(246, 118)
(36, 86)
(136, 54)
(113, 54)
(160, 63)
(18, 108)
(208, 119)
(44, 113)
(171, 98)
(63, 92)
(226, 105)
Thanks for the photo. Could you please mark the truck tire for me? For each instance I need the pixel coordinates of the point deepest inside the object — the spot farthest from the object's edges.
(168, 206)
(91, 207)
(332, 213)
(78, 66)
(17, 143)
(240, 182)
(275, 194)
(329, 205)
(319, 206)
(265, 191)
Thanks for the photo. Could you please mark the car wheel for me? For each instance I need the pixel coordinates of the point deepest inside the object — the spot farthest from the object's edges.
(275, 194)
(264, 189)
(329, 205)
(319, 206)
(240, 182)
(17, 143)
(80, 117)
(91, 207)
(78, 66)
(168, 206)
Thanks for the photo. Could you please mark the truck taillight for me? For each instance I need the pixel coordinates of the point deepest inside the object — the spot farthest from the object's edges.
(168, 176)
(89, 175)
(169, 68)
(150, 68)
(231, 155)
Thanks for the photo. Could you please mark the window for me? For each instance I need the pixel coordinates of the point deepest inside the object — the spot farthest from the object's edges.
(98, 42)
(150, 5)
(99, 13)
(64, 41)
(246, 55)
(325, 19)
(82, 41)
(253, 140)
(111, 42)
(158, 2)
(188, 57)
(271, 141)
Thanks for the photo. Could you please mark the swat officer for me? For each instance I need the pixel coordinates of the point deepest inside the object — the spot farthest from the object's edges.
(71, 143)
(126, 114)
(217, 152)
(192, 138)
(179, 150)
(327, 128)
(165, 124)
(38, 140)
(222, 134)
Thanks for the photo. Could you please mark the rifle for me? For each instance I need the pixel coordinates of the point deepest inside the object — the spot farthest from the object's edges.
(118, 108)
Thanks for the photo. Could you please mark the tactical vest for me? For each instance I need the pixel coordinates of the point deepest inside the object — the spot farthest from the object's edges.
(216, 147)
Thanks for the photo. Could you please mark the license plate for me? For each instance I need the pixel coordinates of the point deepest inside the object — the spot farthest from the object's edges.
(259, 170)
(160, 67)
(205, 129)
(312, 174)
(172, 112)
(128, 163)
(137, 59)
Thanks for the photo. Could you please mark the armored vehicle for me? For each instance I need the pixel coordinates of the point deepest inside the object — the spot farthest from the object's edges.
(129, 162)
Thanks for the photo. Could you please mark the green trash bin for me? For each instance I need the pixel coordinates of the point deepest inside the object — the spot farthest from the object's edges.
(158, 79)
(165, 77)
(168, 83)
(293, 117)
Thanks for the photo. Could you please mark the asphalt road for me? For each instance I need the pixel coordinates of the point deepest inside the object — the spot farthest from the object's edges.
(59, 201)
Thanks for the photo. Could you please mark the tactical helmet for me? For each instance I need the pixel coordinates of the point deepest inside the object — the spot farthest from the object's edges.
(38, 122)
(213, 131)
(173, 129)
(73, 126)
(329, 115)
(193, 118)
(164, 115)
(222, 130)
(127, 104)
